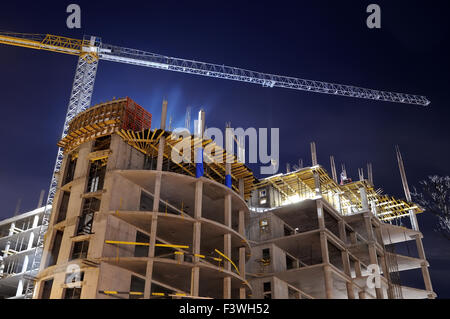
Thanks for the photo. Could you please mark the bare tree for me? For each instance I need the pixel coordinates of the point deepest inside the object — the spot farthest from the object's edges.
(435, 197)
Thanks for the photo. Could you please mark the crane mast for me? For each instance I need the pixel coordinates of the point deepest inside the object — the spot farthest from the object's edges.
(90, 50)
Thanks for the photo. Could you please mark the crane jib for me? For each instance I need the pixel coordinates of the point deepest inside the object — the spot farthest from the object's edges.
(141, 58)
(147, 59)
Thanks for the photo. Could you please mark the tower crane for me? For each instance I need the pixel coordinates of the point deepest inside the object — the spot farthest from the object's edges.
(91, 49)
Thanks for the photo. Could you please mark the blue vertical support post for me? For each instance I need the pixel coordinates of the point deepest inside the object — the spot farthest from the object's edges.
(199, 163)
(228, 182)
(228, 147)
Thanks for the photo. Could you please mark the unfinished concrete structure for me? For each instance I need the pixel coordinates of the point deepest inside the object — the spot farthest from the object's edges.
(129, 223)
(314, 238)
(18, 239)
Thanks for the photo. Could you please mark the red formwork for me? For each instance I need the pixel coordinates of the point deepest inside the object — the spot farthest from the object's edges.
(136, 118)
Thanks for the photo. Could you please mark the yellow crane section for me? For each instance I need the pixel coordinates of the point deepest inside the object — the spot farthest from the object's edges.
(53, 43)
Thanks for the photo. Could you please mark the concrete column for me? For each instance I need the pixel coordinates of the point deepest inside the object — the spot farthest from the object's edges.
(317, 184)
(374, 260)
(379, 235)
(320, 214)
(386, 275)
(227, 242)
(426, 278)
(227, 210)
(195, 280)
(195, 275)
(11, 229)
(241, 227)
(364, 200)
(369, 228)
(242, 255)
(327, 270)
(242, 261)
(30, 241)
(35, 221)
(227, 288)
(324, 248)
(241, 187)
(157, 194)
(420, 249)
(8, 244)
(196, 244)
(227, 266)
(198, 199)
(179, 258)
(373, 254)
(347, 270)
(160, 158)
(148, 279)
(151, 255)
(313, 154)
(25, 263)
(242, 294)
(358, 271)
(373, 208)
(333, 169)
(19, 290)
(196, 241)
(424, 264)
(342, 234)
(328, 282)
(227, 250)
(163, 115)
(337, 199)
(353, 238)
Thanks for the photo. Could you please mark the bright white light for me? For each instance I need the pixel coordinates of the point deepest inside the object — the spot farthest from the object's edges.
(292, 200)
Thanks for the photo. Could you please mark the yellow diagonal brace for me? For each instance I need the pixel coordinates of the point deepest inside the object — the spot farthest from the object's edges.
(143, 244)
(172, 246)
(224, 256)
(126, 243)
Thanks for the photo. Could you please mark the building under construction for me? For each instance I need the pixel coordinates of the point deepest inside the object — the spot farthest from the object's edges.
(18, 240)
(128, 222)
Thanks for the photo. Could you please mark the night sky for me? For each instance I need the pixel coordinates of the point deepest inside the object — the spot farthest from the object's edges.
(320, 40)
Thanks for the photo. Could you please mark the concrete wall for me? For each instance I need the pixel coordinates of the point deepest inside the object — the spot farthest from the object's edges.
(275, 227)
(124, 156)
(119, 230)
(279, 289)
(114, 278)
(277, 259)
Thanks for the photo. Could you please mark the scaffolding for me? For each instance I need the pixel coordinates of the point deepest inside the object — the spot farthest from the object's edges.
(314, 182)
(104, 119)
(147, 141)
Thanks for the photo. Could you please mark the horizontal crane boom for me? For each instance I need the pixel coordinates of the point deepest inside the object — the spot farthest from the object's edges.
(107, 52)
(147, 59)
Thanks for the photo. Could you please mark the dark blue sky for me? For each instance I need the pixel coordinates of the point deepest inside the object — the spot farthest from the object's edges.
(321, 40)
